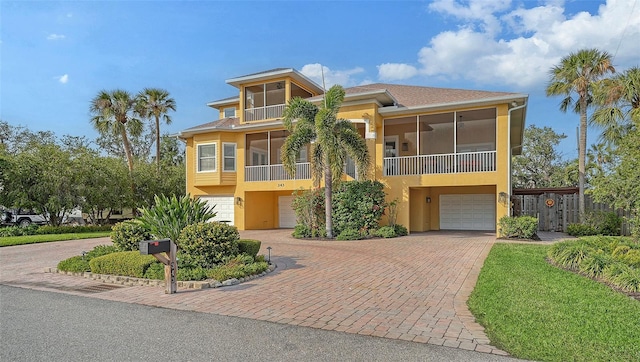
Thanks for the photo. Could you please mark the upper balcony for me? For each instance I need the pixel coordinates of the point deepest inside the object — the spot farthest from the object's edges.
(266, 101)
(445, 143)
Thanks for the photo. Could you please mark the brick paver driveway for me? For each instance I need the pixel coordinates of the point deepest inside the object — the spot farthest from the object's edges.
(412, 288)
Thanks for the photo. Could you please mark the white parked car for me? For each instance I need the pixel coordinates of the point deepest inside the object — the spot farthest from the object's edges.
(22, 217)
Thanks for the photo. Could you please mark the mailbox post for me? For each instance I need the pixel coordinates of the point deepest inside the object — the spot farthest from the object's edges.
(170, 249)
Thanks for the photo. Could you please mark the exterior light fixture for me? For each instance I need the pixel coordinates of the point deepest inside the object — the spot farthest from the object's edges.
(238, 200)
(269, 257)
(502, 197)
(428, 200)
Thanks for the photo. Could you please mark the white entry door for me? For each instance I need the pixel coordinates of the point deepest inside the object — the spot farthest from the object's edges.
(223, 206)
(468, 212)
(286, 215)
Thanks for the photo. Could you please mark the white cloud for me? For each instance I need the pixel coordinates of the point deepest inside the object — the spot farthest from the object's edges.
(396, 71)
(331, 77)
(63, 78)
(55, 37)
(540, 37)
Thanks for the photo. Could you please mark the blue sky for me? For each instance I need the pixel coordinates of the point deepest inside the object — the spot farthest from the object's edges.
(55, 56)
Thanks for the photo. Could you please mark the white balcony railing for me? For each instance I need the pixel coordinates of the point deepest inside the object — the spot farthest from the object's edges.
(440, 164)
(262, 113)
(276, 172)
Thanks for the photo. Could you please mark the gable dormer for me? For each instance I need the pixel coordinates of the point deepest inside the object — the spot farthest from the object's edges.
(263, 96)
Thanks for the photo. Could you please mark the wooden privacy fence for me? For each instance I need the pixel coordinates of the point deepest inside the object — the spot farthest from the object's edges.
(556, 209)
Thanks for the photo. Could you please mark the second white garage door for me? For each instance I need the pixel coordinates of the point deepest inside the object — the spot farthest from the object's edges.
(468, 212)
(224, 207)
(286, 215)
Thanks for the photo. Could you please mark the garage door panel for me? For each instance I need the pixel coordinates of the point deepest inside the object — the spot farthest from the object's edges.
(286, 214)
(224, 207)
(467, 212)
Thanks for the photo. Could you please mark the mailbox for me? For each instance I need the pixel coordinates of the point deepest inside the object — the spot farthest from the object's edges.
(150, 247)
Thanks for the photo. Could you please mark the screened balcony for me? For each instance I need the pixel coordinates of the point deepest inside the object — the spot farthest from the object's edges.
(268, 100)
(263, 158)
(453, 142)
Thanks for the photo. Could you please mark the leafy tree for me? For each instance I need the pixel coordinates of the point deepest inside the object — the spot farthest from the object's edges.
(113, 112)
(141, 144)
(335, 139)
(43, 178)
(16, 139)
(539, 165)
(618, 99)
(156, 103)
(576, 74)
(620, 187)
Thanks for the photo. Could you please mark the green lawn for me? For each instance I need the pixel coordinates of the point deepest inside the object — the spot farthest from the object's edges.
(536, 311)
(32, 239)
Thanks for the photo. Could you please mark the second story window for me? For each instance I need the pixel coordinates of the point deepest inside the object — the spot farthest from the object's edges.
(229, 161)
(229, 112)
(207, 157)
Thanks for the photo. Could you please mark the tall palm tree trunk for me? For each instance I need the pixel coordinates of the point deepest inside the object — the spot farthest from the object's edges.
(158, 142)
(328, 198)
(582, 154)
(127, 149)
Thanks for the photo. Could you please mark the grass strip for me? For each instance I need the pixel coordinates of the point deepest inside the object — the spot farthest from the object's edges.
(536, 311)
(33, 239)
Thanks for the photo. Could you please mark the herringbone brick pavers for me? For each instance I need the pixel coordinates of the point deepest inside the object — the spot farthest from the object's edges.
(412, 288)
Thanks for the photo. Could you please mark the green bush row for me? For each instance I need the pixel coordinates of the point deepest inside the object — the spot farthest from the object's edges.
(518, 227)
(46, 230)
(80, 263)
(249, 247)
(126, 263)
(597, 223)
(614, 259)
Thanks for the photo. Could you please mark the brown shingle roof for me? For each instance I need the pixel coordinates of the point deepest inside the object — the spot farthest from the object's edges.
(229, 122)
(412, 96)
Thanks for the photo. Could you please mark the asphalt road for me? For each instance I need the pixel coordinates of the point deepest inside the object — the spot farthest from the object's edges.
(45, 326)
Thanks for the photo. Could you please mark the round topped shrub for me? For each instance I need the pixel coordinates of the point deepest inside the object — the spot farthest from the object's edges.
(208, 244)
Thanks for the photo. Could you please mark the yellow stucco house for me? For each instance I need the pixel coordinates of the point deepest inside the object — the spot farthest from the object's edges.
(443, 153)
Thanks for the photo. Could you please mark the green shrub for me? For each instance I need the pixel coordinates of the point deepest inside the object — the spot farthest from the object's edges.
(310, 212)
(358, 205)
(170, 215)
(595, 263)
(597, 223)
(156, 271)
(66, 229)
(301, 231)
(628, 280)
(632, 258)
(208, 244)
(128, 234)
(400, 230)
(581, 230)
(386, 232)
(19, 230)
(127, 263)
(249, 246)
(75, 264)
(349, 234)
(570, 254)
(101, 250)
(186, 274)
(518, 227)
(238, 267)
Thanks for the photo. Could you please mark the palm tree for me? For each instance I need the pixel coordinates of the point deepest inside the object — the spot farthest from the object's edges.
(156, 103)
(113, 112)
(618, 99)
(335, 140)
(577, 73)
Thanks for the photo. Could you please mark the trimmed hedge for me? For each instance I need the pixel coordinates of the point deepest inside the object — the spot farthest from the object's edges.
(520, 227)
(75, 264)
(128, 234)
(208, 244)
(249, 246)
(127, 263)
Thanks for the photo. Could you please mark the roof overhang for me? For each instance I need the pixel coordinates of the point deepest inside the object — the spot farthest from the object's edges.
(397, 110)
(224, 102)
(235, 128)
(380, 96)
(298, 77)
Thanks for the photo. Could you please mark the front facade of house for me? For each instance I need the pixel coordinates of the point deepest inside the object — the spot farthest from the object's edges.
(443, 153)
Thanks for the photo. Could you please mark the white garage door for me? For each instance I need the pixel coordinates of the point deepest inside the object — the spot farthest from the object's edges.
(468, 212)
(286, 215)
(224, 207)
